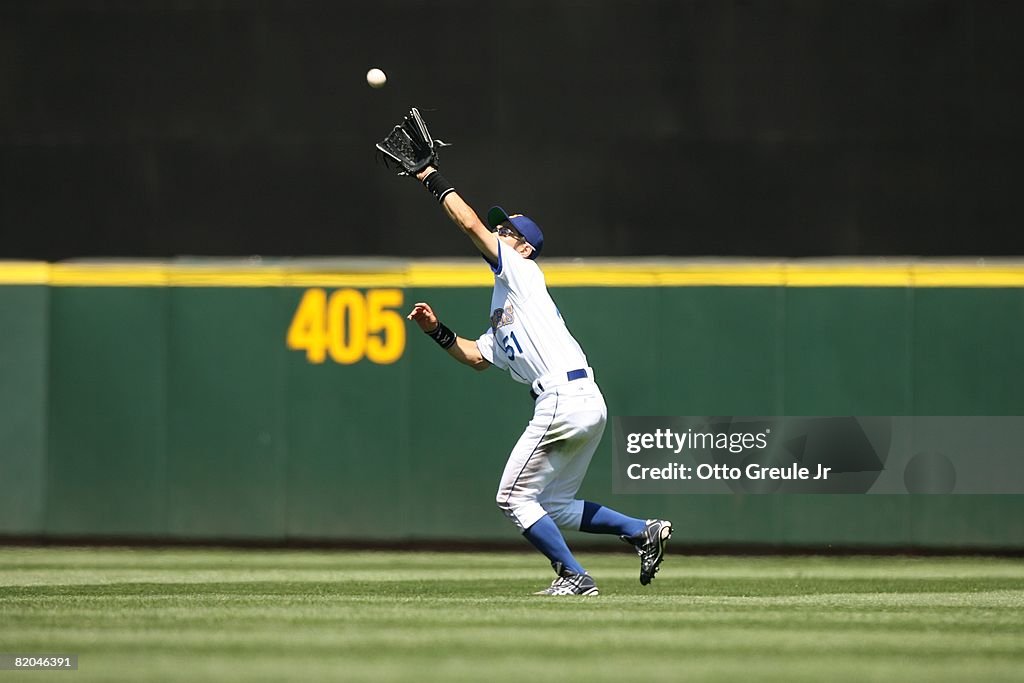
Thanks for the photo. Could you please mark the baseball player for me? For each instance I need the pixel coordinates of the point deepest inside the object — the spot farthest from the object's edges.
(528, 337)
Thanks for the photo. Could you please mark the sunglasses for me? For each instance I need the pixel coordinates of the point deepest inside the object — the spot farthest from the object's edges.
(506, 231)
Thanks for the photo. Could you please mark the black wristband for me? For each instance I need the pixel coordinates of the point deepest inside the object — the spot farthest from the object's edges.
(442, 335)
(438, 185)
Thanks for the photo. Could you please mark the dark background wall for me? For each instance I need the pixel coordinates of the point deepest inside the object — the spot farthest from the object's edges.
(767, 127)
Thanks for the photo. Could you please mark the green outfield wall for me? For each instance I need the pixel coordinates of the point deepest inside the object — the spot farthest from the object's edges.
(293, 401)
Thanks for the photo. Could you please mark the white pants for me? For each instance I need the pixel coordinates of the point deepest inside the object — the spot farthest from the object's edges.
(547, 465)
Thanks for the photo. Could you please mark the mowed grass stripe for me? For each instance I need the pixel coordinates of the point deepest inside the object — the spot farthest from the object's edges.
(450, 584)
(64, 559)
(258, 615)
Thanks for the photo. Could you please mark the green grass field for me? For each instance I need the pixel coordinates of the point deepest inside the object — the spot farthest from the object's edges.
(134, 615)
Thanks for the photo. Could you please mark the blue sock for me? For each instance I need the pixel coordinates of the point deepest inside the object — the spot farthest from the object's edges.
(545, 537)
(597, 519)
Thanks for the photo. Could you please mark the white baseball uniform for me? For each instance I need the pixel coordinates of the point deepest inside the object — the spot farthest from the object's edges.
(528, 338)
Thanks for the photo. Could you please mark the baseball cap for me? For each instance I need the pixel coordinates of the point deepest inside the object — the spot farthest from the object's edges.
(526, 227)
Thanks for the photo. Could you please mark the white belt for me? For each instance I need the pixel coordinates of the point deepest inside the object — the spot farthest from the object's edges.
(557, 379)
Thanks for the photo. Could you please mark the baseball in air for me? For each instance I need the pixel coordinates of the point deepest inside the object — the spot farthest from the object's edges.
(376, 78)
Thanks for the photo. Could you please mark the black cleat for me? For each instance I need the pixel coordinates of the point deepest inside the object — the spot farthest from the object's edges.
(650, 546)
(570, 583)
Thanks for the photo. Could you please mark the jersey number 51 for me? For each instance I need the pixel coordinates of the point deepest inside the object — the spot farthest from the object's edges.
(509, 351)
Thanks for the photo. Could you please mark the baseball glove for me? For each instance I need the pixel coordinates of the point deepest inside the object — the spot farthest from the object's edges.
(408, 148)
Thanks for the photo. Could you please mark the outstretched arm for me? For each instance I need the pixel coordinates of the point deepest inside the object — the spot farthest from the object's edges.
(411, 147)
(463, 350)
(463, 215)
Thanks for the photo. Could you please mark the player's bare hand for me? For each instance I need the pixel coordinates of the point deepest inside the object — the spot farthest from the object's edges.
(423, 316)
(424, 173)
